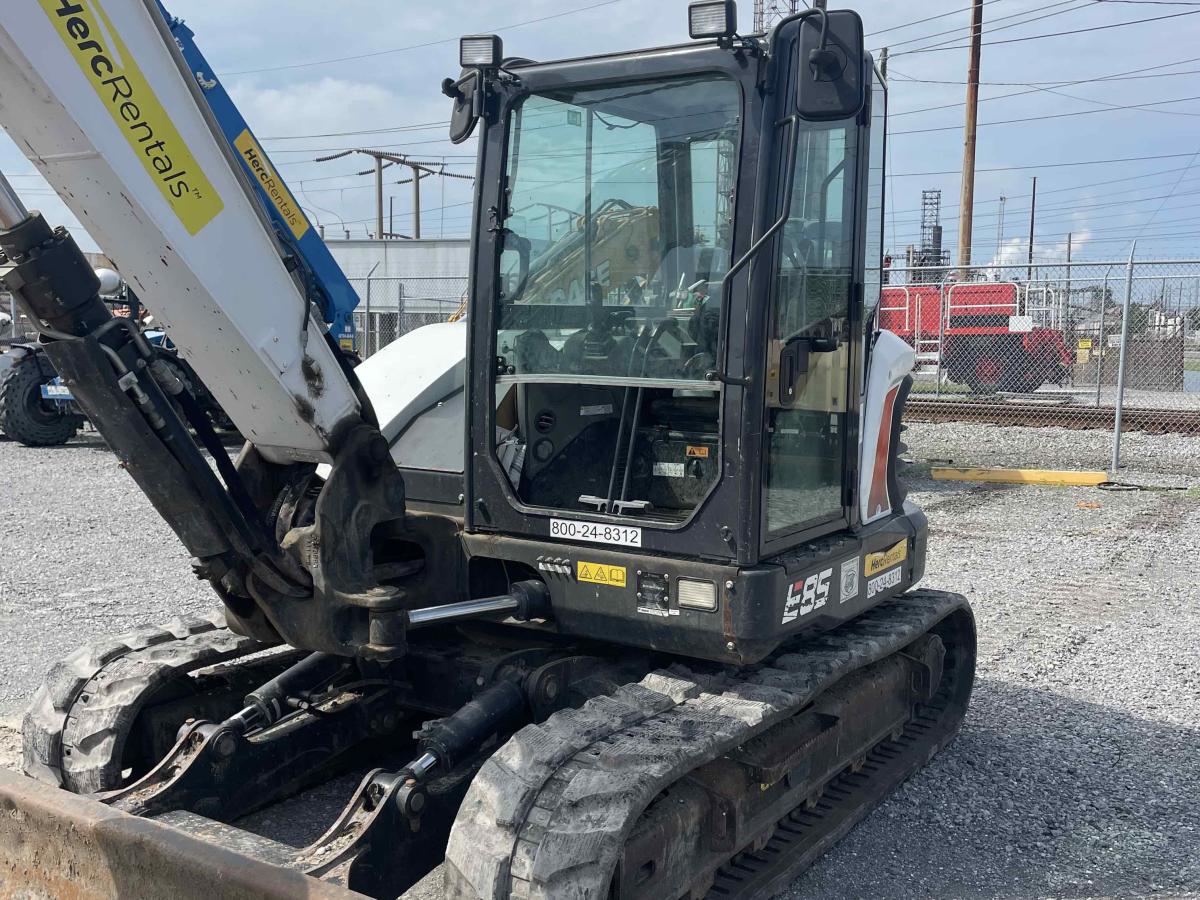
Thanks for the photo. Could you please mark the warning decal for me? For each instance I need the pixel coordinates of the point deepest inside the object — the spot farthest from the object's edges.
(598, 573)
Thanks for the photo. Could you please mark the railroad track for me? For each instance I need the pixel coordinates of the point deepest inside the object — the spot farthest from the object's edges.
(1039, 415)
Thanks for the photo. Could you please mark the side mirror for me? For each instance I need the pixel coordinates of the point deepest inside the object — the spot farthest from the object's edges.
(831, 55)
(463, 117)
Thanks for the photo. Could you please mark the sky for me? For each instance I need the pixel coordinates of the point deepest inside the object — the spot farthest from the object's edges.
(315, 78)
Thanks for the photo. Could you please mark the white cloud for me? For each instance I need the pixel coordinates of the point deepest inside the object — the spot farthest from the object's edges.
(1015, 251)
(326, 106)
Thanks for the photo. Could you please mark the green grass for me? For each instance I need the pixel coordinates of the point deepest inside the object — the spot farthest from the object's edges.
(1191, 364)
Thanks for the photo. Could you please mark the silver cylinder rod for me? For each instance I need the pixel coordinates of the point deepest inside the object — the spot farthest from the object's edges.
(12, 210)
(467, 609)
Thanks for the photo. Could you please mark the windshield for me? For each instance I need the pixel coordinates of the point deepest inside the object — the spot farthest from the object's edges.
(617, 230)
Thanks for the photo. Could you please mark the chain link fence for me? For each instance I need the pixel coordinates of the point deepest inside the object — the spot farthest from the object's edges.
(391, 307)
(1102, 357)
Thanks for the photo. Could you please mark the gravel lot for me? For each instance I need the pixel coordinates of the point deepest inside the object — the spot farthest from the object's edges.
(1077, 773)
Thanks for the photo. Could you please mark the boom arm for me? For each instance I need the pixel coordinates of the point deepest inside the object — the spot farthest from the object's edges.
(101, 101)
(100, 98)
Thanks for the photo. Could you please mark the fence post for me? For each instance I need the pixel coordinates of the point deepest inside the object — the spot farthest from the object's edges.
(1120, 402)
(367, 314)
(367, 320)
(943, 316)
(1100, 339)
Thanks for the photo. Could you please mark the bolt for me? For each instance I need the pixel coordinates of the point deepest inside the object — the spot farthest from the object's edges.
(729, 585)
(225, 745)
(731, 646)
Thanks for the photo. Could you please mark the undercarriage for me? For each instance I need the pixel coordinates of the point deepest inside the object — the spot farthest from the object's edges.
(537, 770)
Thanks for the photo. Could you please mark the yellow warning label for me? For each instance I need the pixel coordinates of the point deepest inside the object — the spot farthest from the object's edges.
(697, 452)
(263, 172)
(598, 573)
(114, 74)
(874, 563)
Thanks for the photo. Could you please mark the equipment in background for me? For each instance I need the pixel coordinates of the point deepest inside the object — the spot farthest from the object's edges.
(989, 336)
(37, 408)
(609, 589)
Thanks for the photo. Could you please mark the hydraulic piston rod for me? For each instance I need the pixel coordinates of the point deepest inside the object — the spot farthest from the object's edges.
(12, 210)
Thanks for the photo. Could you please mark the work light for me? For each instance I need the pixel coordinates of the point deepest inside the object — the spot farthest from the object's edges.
(480, 51)
(712, 18)
(696, 594)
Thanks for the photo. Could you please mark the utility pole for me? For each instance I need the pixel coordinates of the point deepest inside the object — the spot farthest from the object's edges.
(966, 207)
(416, 176)
(379, 198)
(391, 216)
(1000, 233)
(1032, 214)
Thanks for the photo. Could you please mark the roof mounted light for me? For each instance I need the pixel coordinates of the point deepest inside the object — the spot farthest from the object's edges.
(712, 18)
(480, 51)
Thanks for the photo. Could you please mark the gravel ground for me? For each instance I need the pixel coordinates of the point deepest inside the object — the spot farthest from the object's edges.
(1148, 458)
(1077, 773)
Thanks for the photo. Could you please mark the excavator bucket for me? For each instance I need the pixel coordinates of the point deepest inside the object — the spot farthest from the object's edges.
(55, 845)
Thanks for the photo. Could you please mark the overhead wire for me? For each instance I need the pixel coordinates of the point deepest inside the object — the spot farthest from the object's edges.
(434, 43)
(1037, 37)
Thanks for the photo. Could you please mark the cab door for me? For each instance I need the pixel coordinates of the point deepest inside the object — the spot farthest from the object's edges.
(811, 342)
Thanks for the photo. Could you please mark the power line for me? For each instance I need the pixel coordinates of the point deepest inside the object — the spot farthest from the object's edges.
(909, 79)
(449, 40)
(1061, 165)
(1066, 115)
(990, 30)
(424, 126)
(1174, 188)
(1036, 37)
(922, 21)
(1074, 187)
(1035, 88)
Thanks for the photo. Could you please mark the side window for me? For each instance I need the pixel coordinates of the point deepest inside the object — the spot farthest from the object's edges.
(817, 252)
(875, 163)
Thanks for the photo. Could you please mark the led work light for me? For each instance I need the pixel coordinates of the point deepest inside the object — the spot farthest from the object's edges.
(712, 19)
(480, 51)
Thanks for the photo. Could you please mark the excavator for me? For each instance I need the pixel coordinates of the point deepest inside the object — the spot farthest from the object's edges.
(608, 590)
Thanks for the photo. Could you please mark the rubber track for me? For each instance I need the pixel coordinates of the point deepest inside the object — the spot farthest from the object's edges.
(74, 730)
(548, 814)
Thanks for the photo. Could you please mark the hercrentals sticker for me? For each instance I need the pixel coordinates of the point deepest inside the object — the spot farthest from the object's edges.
(114, 74)
(874, 563)
(263, 172)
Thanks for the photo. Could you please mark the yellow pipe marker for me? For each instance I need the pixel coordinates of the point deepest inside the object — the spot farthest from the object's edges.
(1019, 476)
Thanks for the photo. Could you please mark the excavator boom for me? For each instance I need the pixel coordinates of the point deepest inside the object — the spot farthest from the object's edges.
(108, 112)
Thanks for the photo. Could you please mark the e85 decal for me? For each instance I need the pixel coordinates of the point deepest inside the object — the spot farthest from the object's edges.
(806, 595)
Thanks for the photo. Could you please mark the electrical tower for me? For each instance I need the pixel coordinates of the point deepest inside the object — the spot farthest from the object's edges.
(768, 12)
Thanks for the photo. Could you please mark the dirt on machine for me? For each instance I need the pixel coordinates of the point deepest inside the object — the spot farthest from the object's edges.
(608, 590)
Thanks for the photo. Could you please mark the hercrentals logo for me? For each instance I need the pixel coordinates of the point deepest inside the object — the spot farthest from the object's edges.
(263, 172)
(114, 74)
